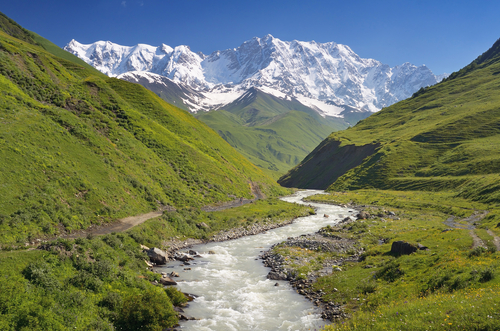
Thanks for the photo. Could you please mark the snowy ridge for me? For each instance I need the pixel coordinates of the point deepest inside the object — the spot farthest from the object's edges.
(323, 76)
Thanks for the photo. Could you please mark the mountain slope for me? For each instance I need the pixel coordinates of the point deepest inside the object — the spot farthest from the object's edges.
(78, 148)
(445, 137)
(274, 134)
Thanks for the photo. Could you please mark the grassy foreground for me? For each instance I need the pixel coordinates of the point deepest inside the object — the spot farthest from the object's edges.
(454, 285)
(103, 283)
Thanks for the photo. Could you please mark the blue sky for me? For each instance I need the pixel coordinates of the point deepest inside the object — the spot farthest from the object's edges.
(444, 35)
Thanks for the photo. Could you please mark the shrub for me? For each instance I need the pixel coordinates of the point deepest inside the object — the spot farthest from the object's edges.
(85, 280)
(389, 272)
(40, 274)
(151, 310)
(486, 275)
(177, 297)
(477, 251)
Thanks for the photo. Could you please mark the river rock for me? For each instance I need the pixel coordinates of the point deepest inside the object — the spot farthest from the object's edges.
(402, 248)
(183, 257)
(156, 255)
(276, 275)
(167, 281)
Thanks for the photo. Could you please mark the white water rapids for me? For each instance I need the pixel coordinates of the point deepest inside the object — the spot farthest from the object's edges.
(231, 285)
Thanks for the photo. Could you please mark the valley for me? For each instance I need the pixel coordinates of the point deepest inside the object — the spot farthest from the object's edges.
(405, 234)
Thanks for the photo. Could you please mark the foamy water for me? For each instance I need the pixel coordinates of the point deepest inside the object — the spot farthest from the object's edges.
(234, 293)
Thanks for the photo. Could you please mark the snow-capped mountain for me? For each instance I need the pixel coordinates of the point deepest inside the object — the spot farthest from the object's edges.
(323, 76)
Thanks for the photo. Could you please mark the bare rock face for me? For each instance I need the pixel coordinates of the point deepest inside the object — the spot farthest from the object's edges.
(156, 255)
(403, 248)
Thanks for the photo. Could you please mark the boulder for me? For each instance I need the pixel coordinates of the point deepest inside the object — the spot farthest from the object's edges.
(156, 255)
(183, 257)
(422, 247)
(167, 281)
(276, 275)
(362, 215)
(402, 248)
(202, 225)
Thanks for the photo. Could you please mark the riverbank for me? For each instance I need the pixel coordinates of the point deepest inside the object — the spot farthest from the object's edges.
(446, 280)
(229, 272)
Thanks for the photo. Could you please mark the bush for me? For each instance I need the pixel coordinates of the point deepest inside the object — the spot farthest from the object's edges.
(177, 297)
(40, 274)
(85, 280)
(389, 272)
(151, 310)
(477, 251)
(486, 275)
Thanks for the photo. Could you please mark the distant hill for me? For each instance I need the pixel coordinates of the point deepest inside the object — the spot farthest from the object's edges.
(274, 134)
(78, 148)
(445, 137)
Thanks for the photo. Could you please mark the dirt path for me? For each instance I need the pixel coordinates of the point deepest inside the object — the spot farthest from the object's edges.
(496, 240)
(257, 193)
(129, 222)
(468, 223)
(122, 225)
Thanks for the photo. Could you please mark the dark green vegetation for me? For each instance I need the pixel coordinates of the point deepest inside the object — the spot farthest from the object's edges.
(103, 283)
(78, 148)
(446, 137)
(92, 284)
(274, 134)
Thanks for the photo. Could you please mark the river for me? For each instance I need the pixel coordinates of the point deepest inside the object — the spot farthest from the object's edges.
(231, 285)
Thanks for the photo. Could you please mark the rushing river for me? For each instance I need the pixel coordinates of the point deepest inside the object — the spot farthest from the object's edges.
(234, 293)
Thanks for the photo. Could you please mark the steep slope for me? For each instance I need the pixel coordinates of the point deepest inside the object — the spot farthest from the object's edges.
(309, 71)
(78, 148)
(445, 137)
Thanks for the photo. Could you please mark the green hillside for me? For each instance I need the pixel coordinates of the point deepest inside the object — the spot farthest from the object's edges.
(78, 148)
(446, 137)
(273, 133)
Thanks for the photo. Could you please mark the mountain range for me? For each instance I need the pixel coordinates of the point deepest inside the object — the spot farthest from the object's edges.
(258, 83)
(326, 77)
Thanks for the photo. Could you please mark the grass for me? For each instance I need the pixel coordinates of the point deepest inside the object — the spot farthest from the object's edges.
(183, 223)
(449, 286)
(78, 148)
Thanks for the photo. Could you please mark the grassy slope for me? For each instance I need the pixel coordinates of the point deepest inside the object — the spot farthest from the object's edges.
(79, 148)
(445, 137)
(437, 157)
(273, 134)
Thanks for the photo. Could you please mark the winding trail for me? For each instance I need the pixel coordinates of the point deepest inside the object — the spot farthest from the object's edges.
(129, 222)
(468, 224)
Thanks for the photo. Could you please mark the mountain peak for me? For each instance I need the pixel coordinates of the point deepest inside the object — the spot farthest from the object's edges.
(325, 72)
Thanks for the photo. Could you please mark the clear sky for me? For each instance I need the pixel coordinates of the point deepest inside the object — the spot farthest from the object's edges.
(445, 35)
